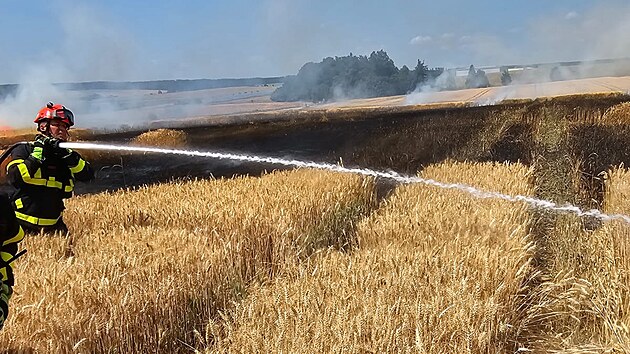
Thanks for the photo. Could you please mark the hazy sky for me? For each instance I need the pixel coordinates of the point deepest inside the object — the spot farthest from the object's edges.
(144, 40)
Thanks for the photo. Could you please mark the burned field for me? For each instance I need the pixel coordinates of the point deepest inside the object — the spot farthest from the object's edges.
(568, 140)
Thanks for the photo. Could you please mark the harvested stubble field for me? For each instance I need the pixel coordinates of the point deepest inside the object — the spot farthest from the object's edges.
(311, 261)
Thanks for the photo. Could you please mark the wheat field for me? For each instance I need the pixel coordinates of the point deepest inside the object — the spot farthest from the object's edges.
(435, 271)
(309, 261)
(145, 270)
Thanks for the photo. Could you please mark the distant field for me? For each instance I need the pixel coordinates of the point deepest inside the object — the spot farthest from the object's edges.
(139, 109)
(492, 95)
(484, 96)
(127, 108)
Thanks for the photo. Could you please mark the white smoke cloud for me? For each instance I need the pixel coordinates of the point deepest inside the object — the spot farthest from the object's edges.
(601, 32)
(598, 32)
(424, 93)
(34, 91)
(92, 47)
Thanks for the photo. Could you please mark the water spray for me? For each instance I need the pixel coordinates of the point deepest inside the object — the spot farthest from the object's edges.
(475, 192)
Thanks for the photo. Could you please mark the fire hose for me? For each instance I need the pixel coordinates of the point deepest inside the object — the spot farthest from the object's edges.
(475, 192)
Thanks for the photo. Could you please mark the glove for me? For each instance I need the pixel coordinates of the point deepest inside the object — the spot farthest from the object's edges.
(47, 142)
(46, 146)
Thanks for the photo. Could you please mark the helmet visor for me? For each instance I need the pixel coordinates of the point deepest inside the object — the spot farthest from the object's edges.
(65, 115)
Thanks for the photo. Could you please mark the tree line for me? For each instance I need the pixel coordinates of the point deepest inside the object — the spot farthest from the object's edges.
(376, 75)
(356, 76)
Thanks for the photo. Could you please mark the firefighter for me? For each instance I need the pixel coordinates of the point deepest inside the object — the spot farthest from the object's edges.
(43, 173)
(10, 235)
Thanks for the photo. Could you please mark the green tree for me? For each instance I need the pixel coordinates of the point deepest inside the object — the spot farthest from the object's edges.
(420, 73)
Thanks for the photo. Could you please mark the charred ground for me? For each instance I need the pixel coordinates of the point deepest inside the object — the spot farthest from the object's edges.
(563, 137)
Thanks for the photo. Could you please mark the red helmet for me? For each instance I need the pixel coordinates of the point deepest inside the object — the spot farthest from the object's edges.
(55, 111)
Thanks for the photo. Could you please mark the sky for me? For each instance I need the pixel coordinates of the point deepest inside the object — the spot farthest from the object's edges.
(121, 40)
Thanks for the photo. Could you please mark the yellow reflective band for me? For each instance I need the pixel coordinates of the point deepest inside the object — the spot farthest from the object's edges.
(13, 163)
(3, 271)
(19, 204)
(38, 173)
(54, 184)
(17, 238)
(36, 221)
(26, 177)
(79, 167)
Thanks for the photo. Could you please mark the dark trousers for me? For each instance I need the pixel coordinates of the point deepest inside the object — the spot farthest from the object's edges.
(5, 295)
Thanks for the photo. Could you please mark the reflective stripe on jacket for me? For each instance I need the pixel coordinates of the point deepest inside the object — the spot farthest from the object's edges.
(10, 235)
(41, 185)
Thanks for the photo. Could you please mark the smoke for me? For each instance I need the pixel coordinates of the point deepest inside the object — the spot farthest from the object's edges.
(90, 48)
(426, 92)
(497, 95)
(597, 32)
(286, 28)
(94, 46)
(600, 32)
(35, 89)
(87, 42)
(345, 92)
(557, 46)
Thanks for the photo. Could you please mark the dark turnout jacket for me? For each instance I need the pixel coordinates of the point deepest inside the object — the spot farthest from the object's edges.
(10, 235)
(42, 184)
